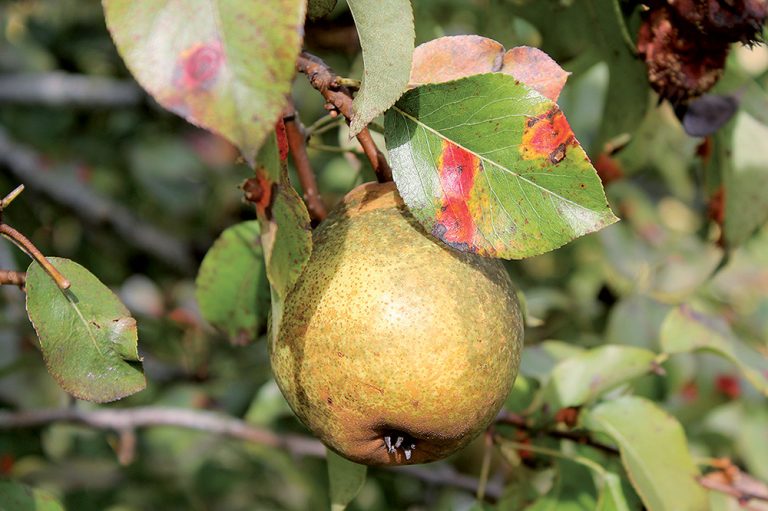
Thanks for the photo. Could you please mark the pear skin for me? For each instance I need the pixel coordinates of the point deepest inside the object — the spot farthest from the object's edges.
(394, 348)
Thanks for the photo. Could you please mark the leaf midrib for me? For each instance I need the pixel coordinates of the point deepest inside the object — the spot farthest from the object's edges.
(68, 296)
(491, 162)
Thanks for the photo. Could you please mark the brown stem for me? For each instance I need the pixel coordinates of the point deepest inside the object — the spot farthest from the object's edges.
(14, 278)
(583, 438)
(27, 246)
(128, 419)
(297, 148)
(338, 97)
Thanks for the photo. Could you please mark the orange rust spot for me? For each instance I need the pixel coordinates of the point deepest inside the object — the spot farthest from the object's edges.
(457, 170)
(547, 136)
(258, 190)
(199, 66)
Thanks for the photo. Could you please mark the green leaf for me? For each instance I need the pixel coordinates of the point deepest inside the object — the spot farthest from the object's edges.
(20, 497)
(319, 8)
(232, 287)
(539, 360)
(581, 379)
(346, 479)
(654, 452)
(224, 66)
(87, 336)
(611, 494)
(287, 240)
(745, 179)
(636, 321)
(387, 39)
(686, 330)
(571, 490)
(286, 234)
(488, 165)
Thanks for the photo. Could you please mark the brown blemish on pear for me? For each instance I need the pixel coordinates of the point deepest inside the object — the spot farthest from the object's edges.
(395, 349)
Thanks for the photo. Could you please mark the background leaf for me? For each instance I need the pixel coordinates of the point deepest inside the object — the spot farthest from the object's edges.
(387, 38)
(232, 287)
(225, 66)
(319, 8)
(654, 451)
(87, 335)
(685, 330)
(582, 378)
(489, 166)
(346, 479)
(20, 497)
(745, 177)
(453, 57)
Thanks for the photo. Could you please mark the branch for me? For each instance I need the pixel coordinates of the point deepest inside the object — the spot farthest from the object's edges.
(14, 278)
(583, 438)
(63, 89)
(123, 420)
(27, 246)
(298, 150)
(322, 78)
(25, 165)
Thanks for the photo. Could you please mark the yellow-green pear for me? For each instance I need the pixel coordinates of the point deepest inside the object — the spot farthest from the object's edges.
(394, 348)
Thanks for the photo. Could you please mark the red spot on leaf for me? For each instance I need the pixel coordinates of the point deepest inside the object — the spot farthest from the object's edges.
(199, 66)
(282, 139)
(457, 169)
(728, 385)
(547, 136)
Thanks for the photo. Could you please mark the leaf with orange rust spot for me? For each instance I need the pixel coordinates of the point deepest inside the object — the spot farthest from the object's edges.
(286, 234)
(453, 57)
(489, 165)
(224, 66)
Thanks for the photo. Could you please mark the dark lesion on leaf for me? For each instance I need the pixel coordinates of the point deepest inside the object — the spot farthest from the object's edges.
(558, 154)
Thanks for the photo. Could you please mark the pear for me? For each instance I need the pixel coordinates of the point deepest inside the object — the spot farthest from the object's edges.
(393, 347)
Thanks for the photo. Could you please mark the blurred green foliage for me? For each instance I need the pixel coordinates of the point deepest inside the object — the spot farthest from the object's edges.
(613, 287)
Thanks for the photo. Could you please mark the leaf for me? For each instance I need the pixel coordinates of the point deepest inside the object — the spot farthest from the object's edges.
(87, 336)
(539, 360)
(286, 235)
(387, 39)
(20, 497)
(489, 166)
(453, 57)
(611, 494)
(582, 378)
(685, 330)
(232, 287)
(346, 479)
(653, 450)
(636, 321)
(319, 8)
(745, 178)
(571, 490)
(224, 66)
(572, 29)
